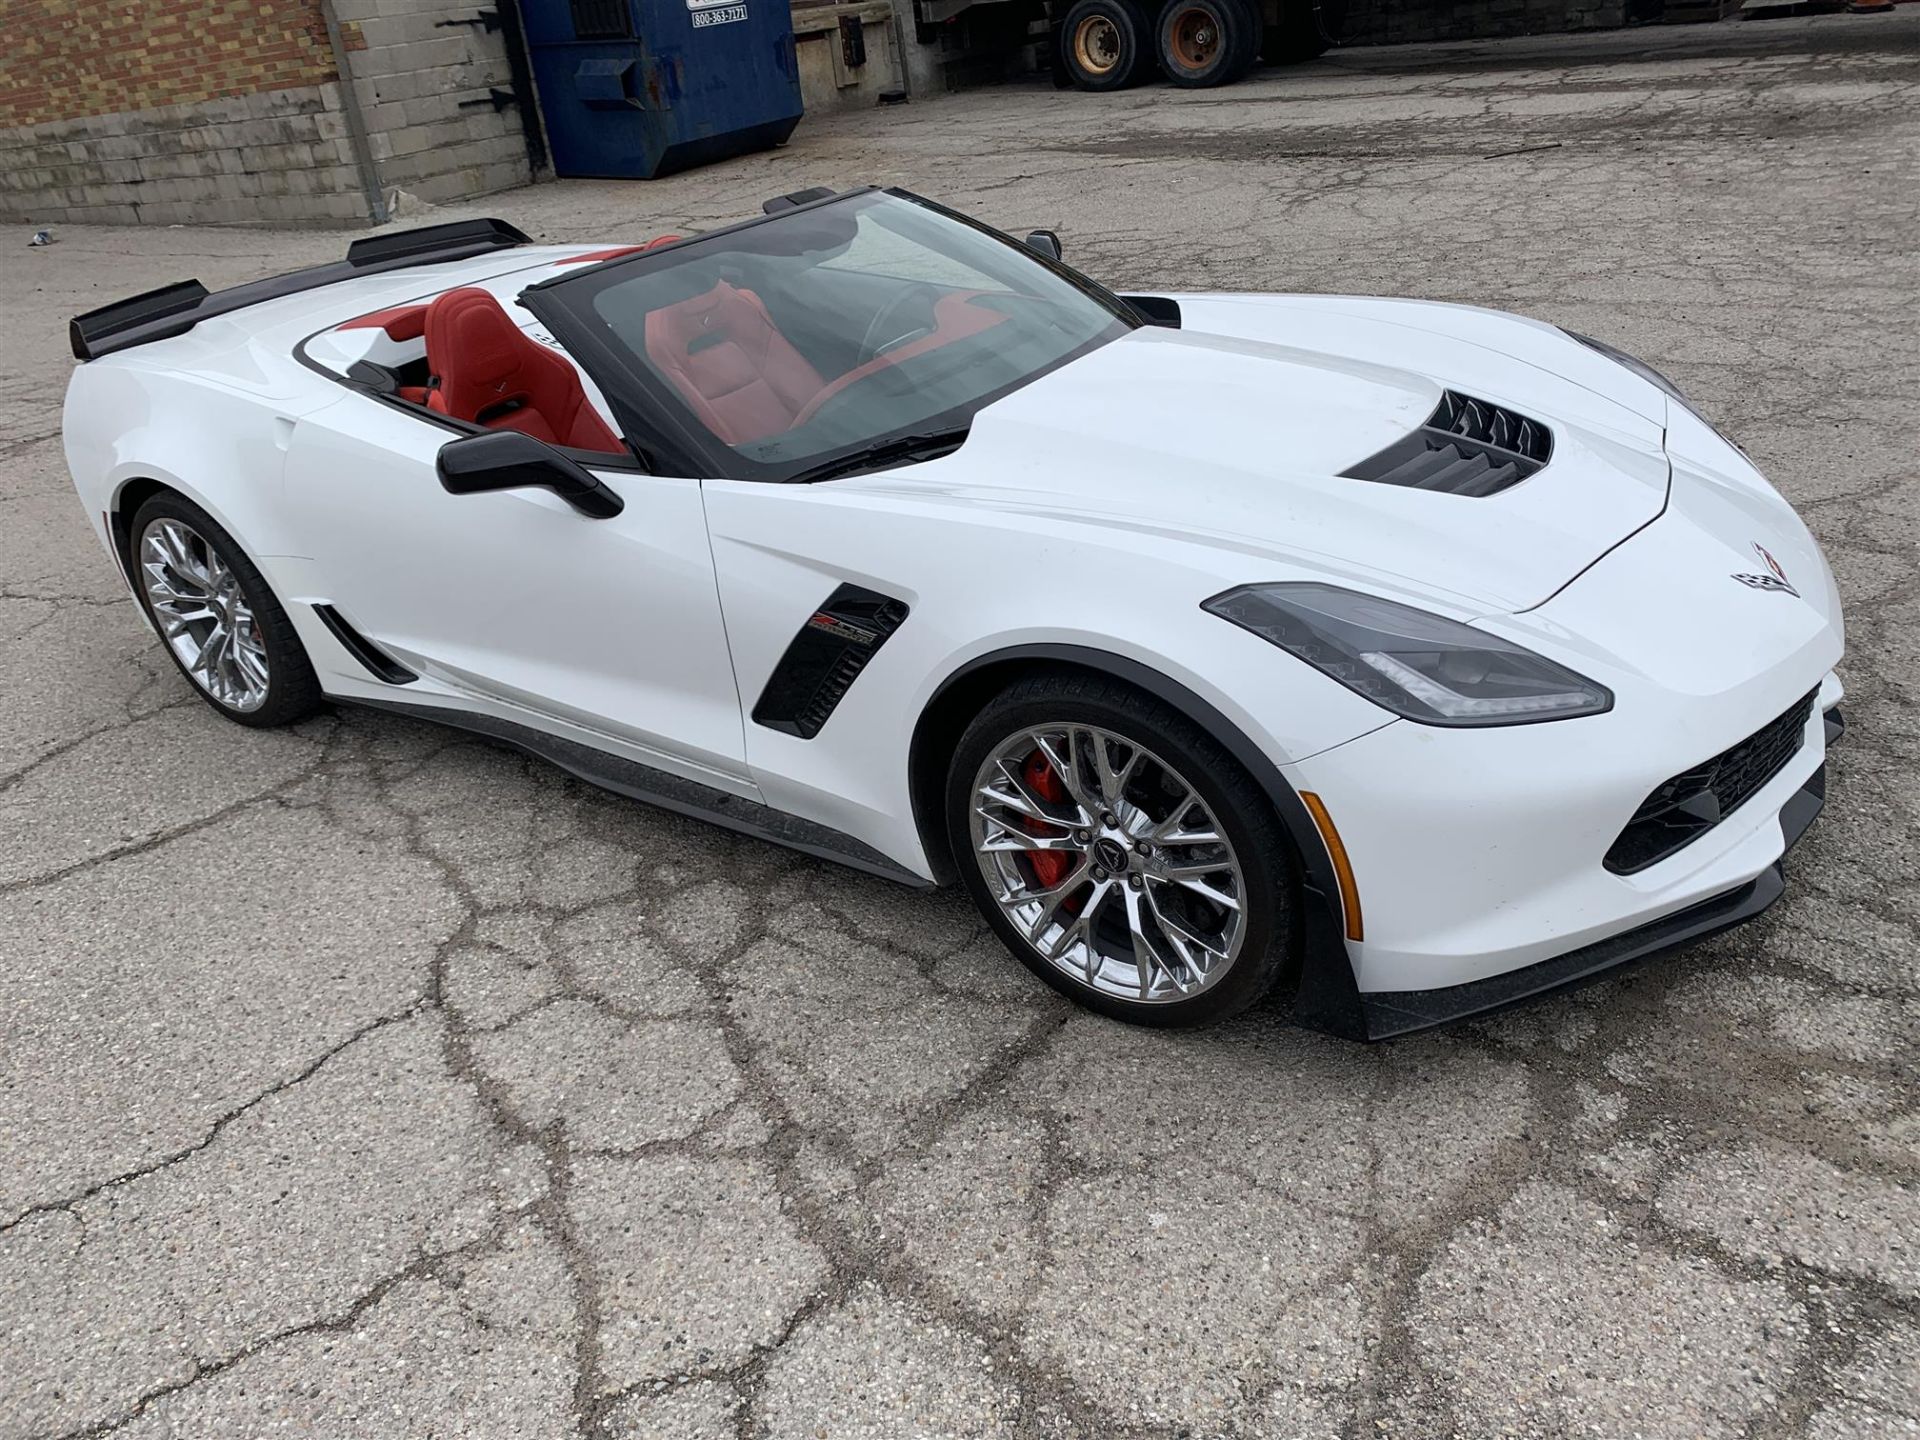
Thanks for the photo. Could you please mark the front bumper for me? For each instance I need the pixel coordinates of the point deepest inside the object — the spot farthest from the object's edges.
(1327, 1001)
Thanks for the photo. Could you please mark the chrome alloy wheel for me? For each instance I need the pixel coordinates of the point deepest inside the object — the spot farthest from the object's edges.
(203, 614)
(1107, 861)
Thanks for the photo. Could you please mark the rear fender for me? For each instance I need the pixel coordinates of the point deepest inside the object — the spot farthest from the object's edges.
(127, 427)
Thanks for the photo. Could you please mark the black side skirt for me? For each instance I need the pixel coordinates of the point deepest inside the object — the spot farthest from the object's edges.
(655, 787)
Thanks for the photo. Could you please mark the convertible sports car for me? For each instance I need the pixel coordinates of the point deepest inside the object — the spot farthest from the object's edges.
(1410, 658)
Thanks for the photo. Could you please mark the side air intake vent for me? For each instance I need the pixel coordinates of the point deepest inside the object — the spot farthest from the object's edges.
(825, 658)
(1467, 447)
(372, 658)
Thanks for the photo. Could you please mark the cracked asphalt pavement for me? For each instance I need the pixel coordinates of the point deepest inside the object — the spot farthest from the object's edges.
(366, 1079)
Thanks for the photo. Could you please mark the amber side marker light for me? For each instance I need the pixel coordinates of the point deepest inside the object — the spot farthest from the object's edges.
(1342, 867)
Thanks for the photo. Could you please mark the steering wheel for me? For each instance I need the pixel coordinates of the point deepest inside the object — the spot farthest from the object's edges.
(877, 338)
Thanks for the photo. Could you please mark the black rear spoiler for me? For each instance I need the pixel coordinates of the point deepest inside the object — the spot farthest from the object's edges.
(175, 309)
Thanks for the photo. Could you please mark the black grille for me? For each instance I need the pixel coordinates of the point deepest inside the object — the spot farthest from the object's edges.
(1467, 447)
(1694, 801)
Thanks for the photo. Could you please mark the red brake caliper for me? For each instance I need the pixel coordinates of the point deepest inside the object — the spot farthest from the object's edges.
(1049, 866)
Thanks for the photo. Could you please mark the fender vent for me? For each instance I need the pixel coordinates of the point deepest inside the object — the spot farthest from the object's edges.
(375, 661)
(825, 658)
(1467, 447)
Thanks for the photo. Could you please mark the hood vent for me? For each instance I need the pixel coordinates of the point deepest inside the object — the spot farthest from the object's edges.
(1467, 447)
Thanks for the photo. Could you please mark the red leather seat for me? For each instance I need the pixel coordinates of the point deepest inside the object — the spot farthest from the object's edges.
(955, 317)
(487, 371)
(730, 363)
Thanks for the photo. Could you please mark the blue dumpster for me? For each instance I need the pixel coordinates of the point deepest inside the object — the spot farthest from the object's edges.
(639, 88)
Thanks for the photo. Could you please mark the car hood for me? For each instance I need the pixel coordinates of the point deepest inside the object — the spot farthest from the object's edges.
(1233, 431)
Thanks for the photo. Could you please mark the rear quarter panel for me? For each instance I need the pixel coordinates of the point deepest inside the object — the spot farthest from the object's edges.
(215, 435)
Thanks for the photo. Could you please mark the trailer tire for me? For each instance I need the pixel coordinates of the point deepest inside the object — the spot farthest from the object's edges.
(1105, 44)
(1202, 43)
(1253, 41)
(1301, 32)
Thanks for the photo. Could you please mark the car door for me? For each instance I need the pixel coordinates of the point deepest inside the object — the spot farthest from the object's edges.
(517, 600)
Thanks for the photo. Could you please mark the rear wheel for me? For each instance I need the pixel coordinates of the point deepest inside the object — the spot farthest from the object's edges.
(1105, 44)
(220, 622)
(1120, 853)
(1202, 43)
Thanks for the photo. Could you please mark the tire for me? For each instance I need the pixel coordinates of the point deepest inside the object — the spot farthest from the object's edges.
(1105, 44)
(1203, 43)
(1300, 34)
(259, 674)
(1253, 37)
(1068, 914)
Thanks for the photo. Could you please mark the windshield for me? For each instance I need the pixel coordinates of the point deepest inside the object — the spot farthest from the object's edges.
(821, 332)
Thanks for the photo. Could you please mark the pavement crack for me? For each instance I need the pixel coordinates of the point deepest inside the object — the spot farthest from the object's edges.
(307, 1072)
(425, 1266)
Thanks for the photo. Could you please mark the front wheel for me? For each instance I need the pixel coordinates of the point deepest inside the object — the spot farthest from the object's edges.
(1120, 853)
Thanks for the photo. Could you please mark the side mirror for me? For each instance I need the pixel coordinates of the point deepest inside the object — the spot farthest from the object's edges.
(508, 460)
(1044, 242)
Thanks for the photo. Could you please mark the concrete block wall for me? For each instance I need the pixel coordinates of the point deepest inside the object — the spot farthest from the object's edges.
(276, 156)
(425, 83)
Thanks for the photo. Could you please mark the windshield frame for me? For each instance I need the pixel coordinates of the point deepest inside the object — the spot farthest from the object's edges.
(663, 429)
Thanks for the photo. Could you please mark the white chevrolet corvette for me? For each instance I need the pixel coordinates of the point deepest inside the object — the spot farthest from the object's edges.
(1405, 658)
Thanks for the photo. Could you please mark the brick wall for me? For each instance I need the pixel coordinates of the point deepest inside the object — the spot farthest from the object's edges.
(231, 111)
(67, 59)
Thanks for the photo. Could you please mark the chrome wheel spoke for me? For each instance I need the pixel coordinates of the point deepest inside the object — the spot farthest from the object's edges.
(175, 622)
(1209, 893)
(171, 591)
(1008, 838)
(1195, 970)
(251, 661)
(1043, 919)
(1066, 764)
(1146, 963)
(1191, 869)
(1174, 830)
(212, 646)
(1184, 930)
(1113, 782)
(1011, 791)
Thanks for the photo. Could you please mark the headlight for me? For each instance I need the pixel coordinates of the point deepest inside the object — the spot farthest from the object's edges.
(1639, 367)
(1420, 666)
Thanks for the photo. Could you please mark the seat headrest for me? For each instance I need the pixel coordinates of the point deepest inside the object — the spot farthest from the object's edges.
(468, 326)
